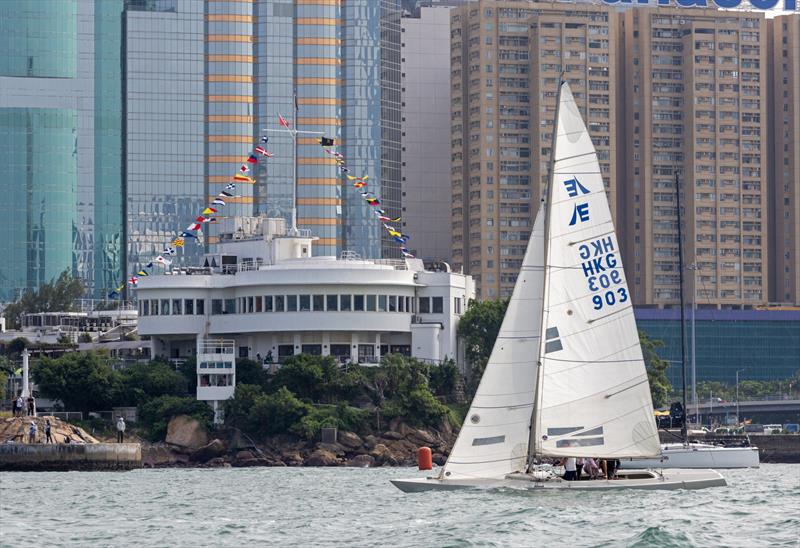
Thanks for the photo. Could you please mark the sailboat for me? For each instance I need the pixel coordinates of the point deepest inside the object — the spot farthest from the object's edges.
(566, 376)
(686, 453)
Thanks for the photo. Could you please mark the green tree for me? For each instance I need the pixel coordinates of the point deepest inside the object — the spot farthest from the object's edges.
(82, 381)
(443, 378)
(156, 413)
(479, 327)
(302, 375)
(143, 381)
(57, 295)
(660, 387)
(250, 372)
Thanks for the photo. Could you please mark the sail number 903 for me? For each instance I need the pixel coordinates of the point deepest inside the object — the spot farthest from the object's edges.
(601, 270)
(610, 298)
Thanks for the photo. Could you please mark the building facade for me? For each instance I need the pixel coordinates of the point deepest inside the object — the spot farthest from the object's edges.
(765, 343)
(703, 94)
(784, 197)
(268, 293)
(61, 143)
(207, 78)
(425, 173)
(506, 59)
(696, 98)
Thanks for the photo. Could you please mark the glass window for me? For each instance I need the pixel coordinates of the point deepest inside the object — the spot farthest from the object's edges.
(165, 307)
(333, 302)
(154, 307)
(392, 303)
(345, 301)
(291, 303)
(216, 306)
(280, 301)
(259, 304)
(243, 351)
(438, 305)
(268, 303)
(200, 306)
(318, 303)
(370, 303)
(188, 307)
(358, 303)
(285, 350)
(249, 305)
(401, 304)
(312, 349)
(305, 302)
(381, 303)
(410, 305)
(424, 305)
(230, 306)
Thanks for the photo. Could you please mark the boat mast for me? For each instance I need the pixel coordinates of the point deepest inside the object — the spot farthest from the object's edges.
(684, 432)
(546, 200)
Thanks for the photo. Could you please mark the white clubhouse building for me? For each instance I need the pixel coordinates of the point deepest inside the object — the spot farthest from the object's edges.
(263, 294)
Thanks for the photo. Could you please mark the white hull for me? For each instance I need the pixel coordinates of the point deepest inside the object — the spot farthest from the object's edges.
(628, 479)
(698, 455)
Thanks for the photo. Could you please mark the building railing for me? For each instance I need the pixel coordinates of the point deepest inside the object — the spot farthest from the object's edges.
(216, 346)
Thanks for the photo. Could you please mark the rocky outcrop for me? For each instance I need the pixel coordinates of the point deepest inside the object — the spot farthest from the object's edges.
(186, 433)
(15, 430)
(214, 449)
(322, 457)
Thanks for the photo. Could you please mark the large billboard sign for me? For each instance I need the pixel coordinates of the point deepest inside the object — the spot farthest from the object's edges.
(788, 5)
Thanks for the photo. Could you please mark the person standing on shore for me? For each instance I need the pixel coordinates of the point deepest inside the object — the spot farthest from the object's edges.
(32, 430)
(120, 429)
(31, 406)
(20, 405)
(48, 438)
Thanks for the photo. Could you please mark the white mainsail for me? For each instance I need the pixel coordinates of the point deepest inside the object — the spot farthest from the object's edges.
(494, 439)
(593, 392)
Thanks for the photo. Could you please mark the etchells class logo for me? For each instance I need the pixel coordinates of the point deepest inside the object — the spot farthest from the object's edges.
(788, 5)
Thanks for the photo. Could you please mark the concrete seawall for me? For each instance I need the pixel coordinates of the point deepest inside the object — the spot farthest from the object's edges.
(40, 457)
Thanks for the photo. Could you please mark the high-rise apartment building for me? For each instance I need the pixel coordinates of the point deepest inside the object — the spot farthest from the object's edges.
(425, 61)
(696, 104)
(506, 61)
(210, 76)
(784, 118)
(61, 143)
(698, 93)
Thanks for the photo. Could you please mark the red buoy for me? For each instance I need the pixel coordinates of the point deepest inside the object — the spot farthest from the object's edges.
(424, 458)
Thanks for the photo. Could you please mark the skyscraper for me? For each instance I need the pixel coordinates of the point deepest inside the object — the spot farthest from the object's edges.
(784, 118)
(224, 71)
(506, 60)
(425, 53)
(60, 144)
(696, 104)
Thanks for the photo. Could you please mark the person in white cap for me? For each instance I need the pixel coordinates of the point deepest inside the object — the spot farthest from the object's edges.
(120, 429)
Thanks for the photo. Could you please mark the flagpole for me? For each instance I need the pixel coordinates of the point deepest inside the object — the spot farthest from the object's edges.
(293, 134)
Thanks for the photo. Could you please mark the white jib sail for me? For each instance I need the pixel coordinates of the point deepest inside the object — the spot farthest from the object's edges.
(494, 438)
(594, 397)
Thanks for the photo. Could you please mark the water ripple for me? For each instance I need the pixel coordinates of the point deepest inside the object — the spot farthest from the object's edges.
(358, 507)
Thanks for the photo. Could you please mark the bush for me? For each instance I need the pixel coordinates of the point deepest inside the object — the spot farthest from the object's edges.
(156, 414)
(82, 381)
(84, 338)
(444, 378)
(341, 416)
(143, 381)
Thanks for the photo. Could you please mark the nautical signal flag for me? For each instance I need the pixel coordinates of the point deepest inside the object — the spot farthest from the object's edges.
(244, 168)
(243, 178)
(133, 280)
(164, 261)
(186, 234)
(282, 121)
(326, 141)
(178, 242)
(252, 159)
(263, 151)
(359, 184)
(218, 201)
(143, 273)
(225, 193)
(169, 251)
(264, 139)
(209, 211)
(230, 186)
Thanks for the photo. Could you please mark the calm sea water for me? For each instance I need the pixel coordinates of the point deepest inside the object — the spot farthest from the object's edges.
(358, 507)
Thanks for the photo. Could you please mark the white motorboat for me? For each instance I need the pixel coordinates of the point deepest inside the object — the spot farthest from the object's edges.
(566, 376)
(697, 455)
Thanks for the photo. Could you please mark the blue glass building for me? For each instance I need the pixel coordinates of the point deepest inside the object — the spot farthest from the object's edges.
(60, 148)
(765, 342)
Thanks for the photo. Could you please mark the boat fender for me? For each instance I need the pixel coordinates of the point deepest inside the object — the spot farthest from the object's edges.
(424, 458)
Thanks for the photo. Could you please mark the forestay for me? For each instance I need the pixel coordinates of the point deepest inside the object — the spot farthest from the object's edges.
(594, 397)
(494, 438)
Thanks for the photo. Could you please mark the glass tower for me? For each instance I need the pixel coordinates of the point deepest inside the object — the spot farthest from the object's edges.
(60, 148)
